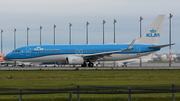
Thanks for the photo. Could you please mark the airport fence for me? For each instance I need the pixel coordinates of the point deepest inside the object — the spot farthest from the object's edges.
(80, 89)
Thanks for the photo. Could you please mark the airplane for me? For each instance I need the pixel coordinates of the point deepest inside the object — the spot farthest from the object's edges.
(80, 54)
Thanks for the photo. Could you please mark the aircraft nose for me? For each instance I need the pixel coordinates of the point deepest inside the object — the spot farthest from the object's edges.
(9, 56)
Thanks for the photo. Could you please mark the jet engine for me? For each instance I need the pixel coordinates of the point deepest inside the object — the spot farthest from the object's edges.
(74, 60)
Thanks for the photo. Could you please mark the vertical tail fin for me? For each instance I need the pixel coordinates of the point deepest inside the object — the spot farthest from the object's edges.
(153, 33)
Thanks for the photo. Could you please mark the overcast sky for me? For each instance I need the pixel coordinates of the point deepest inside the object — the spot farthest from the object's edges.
(21, 14)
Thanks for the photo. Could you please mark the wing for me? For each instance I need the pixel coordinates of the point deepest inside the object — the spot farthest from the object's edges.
(101, 55)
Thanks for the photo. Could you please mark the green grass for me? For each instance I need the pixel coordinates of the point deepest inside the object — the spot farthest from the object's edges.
(54, 79)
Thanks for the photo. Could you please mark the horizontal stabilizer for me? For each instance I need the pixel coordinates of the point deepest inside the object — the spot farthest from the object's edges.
(161, 46)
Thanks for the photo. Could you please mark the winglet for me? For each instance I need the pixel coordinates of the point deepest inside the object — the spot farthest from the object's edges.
(130, 46)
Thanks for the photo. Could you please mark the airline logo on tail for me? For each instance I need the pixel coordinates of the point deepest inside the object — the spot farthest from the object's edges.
(152, 34)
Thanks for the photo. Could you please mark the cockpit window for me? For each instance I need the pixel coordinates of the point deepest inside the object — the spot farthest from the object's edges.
(16, 50)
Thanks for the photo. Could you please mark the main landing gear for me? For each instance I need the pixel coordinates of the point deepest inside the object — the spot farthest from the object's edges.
(84, 65)
(90, 64)
(125, 65)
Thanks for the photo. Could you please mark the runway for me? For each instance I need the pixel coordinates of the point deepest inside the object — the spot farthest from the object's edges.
(146, 66)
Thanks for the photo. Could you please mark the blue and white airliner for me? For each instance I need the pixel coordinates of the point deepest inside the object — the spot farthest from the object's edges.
(80, 54)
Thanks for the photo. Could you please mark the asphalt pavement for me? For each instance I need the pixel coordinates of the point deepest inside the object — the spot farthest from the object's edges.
(145, 66)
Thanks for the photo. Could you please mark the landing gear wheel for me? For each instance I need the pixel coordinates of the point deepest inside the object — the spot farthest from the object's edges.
(84, 65)
(22, 65)
(125, 65)
(90, 64)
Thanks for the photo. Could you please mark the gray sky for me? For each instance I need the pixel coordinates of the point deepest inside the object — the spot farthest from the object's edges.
(21, 14)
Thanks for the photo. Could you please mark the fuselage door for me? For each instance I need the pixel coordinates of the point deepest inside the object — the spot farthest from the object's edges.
(28, 51)
(76, 51)
(138, 50)
(81, 51)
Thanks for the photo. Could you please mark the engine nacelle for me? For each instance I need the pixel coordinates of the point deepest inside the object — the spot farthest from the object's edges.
(73, 60)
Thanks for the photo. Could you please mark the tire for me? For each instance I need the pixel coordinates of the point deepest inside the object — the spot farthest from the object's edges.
(90, 64)
(22, 65)
(84, 65)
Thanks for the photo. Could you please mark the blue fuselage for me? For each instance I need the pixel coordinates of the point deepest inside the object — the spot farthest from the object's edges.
(32, 52)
